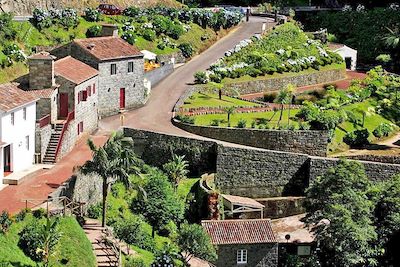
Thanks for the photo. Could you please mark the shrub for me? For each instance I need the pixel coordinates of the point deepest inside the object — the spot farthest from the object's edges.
(242, 123)
(149, 35)
(5, 221)
(186, 49)
(299, 100)
(169, 230)
(383, 130)
(215, 122)
(41, 19)
(134, 262)
(175, 31)
(39, 213)
(20, 216)
(94, 211)
(6, 30)
(129, 36)
(30, 240)
(132, 231)
(200, 77)
(69, 18)
(93, 31)
(132, 11)
(270, 97)
(356, 138)
(92, 14)
(186, 119)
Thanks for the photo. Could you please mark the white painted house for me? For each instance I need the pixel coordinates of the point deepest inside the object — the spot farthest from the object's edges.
(348, 54)
(17, 129)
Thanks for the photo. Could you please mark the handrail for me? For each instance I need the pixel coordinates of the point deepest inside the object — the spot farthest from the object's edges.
(44, 121)
(114, 243)
(74, 206)
(70, 117)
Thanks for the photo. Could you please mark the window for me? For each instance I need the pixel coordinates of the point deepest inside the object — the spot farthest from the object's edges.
(241, 257)
(130, 66)
(89, 90)
(24, 110)
(304, 250)
(27, 142)
(84, 95)
(12, 118)
(79, 97)
(94, 88)
(113, 69)
(80, 127)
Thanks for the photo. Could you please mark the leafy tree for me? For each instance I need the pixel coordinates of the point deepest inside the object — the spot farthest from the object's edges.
(176, 169)
(229, 111)
(387, 220)
(340, 212)
(161, 204)
(291, 94)
(194, 241)
(113, 161)
(5, 221)
(282, 98)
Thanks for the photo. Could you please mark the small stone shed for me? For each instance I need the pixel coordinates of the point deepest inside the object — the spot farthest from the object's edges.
(348, 54)
(243, 242)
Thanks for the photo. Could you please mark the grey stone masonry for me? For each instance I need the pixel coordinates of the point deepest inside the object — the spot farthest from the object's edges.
(258, 255)
(309, 142)
(157, 75)
(257, 86)
(260, 173)
(42, 139)
(41, 72)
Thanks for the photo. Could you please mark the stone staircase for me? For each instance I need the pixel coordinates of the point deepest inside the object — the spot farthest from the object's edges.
(50, 156)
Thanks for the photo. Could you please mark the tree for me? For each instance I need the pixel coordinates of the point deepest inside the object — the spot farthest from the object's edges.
(49, 237)
(387, 220)
(340, 214)
(364, 113)
(115, 160)
(176, 169)
(194, 241)
(291, 94)
(161, 204)
(229, 111)
(282, 98)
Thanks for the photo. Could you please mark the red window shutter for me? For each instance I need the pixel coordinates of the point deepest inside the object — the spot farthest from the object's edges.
(89, 91)
(84, 95)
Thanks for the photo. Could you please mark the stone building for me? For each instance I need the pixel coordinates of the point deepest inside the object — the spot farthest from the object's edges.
(120, 66)
(67, 106)
(17, 130)
(348, 54)
(249, 243)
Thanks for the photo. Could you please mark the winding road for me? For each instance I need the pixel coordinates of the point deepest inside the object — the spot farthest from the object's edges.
(156, 114)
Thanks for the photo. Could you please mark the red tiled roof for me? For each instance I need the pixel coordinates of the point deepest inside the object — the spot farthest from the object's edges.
(11, 96)
(43, 93)
(240, 231)
(74, 70)
(110, 47)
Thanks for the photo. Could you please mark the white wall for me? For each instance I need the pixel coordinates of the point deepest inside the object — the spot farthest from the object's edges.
(345, 52)
(15, 135)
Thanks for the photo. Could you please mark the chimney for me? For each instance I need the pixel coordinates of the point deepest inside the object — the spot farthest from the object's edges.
(41, 71)
(109, 30)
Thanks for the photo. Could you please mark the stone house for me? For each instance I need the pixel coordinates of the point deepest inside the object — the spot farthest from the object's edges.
(17, 130)
(67, 106)
(120, 66)
(243, 242)
(348, 54)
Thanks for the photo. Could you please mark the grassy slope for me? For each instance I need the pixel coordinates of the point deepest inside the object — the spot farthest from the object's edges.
(205, 120)
(212, 100)
(73, 247)
(248, 78)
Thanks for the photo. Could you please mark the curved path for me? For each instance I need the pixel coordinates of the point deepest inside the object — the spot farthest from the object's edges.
(156, 114)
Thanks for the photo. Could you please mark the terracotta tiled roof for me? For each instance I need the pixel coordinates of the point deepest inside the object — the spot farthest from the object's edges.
(245, 201)
(44, 93)
(240, 231)
(11, 96)
(106, 48)
(74, 70)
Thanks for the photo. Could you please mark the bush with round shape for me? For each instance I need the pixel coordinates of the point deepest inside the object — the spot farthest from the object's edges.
(129, 37)
(5, 221)
(357, 138)
(175, 31)
(383, 130)
(149, 35)
(132, 231)
(91, 14)
(94, 211)
(134, 262)
(93, 31)
(132, 11)
(201, 77)
(242, 123)
(186, 49)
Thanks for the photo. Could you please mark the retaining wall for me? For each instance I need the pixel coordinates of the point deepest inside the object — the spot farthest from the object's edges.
(157, 75)
(257, 86)
(309, 142)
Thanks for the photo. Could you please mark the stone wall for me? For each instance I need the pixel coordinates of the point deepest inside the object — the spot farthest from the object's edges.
(257, 86)
(376, 158)
(42, 139)
(157, 75)
(260, 173)
(375, 171)
(156, 149)
(259, 255)
(309, 142)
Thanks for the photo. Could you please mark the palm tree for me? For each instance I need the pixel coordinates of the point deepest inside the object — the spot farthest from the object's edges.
(392, 39)
(282, 99)
(229, 111)
(176, 169)
(113, 161)
(291, 89)
(49, 236)
(365, 113)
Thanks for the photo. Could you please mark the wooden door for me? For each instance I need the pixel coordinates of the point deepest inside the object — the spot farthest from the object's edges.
(7, 159)
(122, 98)
(63, 103)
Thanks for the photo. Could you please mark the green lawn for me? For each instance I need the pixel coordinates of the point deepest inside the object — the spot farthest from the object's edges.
(74, 248)
(371, 122)
(248, 78)
(185, 186)
(198, 100)
(205, 120)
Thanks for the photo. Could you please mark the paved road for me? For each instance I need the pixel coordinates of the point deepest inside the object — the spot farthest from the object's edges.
(156, 114)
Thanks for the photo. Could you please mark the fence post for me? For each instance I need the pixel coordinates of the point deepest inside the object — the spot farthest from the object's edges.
(26, 204)
(65, 206)
(47, 204)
